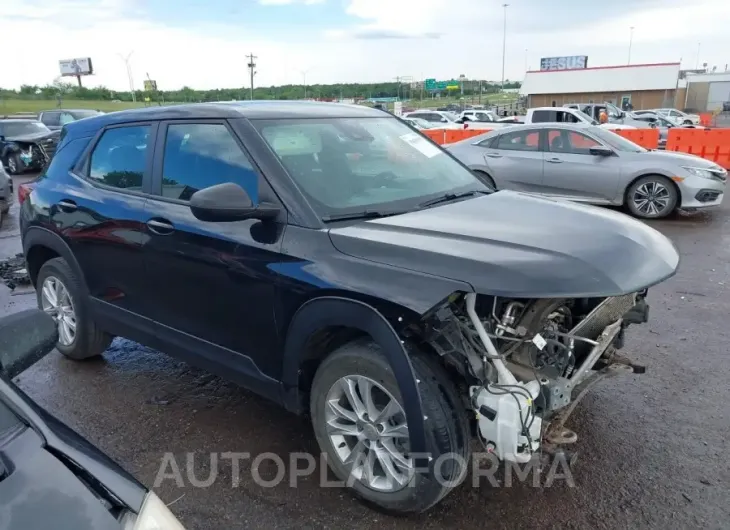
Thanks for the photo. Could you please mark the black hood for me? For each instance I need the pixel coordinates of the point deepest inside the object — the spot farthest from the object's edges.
(518, 245)
(33, 137)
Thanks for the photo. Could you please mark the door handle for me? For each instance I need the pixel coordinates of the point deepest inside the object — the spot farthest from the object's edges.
(160, 227)
(494, 155)
(67, 205)
(554, 161)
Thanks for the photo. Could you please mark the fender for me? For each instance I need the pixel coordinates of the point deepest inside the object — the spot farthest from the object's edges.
(336, 311)
(39, 236)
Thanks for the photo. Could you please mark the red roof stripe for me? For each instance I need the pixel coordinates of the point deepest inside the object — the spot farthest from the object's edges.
(604, 67)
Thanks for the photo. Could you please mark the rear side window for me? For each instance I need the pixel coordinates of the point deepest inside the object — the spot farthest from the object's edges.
(519, 141)
(51, 118)
(544, 116)
(119, 158)
(201, 155)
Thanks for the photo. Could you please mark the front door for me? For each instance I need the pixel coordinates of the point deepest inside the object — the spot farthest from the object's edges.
(213, 292)
(571, 170)
(515, 161)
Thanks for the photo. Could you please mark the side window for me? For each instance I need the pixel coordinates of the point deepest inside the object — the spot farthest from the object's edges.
(489, 142)
(519, 141)
(119, 158)
(570, 142)
(66, 118)
(544, 116)
(201, 155)
(50, 118)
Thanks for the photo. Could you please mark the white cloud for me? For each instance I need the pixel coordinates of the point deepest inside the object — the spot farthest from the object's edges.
(387, 38)
(288, 2)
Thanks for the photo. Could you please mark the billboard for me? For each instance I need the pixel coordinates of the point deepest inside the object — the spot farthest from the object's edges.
(150, 85)
(433, 85)
(573, 62)
(76, 67)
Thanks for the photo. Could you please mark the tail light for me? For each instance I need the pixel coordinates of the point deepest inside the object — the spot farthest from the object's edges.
(23, 191)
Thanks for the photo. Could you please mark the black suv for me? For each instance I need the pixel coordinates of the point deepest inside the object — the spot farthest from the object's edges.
(336, 261)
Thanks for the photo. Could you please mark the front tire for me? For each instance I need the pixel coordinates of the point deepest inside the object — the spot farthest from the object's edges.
(652, 197)
(359, 421)
(59, 293)
(14, 164)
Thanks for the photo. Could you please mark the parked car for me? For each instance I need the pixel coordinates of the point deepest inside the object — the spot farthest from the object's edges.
(55, 119)
(6, 193)
(25, 145)
(679, 116)
(51, 477)
(589, 164)
(388, 292)
(440, 118)
(420, 123)
(479, 115)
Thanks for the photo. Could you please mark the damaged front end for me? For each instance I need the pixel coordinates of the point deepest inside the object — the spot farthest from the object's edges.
(528, 362)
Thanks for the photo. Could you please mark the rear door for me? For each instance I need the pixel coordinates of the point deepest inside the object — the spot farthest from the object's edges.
(572, 171)
(51, 119)
(515, 160)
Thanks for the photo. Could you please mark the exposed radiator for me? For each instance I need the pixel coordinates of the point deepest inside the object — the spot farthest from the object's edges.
(605, 313)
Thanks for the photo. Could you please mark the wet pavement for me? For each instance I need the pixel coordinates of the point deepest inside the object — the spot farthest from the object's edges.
(652, 447)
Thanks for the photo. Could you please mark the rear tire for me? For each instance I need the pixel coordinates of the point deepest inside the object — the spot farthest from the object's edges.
(87, 340)
(652, 197)
(447, 427)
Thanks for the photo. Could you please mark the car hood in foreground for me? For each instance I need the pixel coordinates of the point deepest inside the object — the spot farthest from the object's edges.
(518, 245)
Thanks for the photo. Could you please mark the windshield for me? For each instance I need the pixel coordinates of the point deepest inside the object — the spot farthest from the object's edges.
(450, 116)
(619, 143)
(22, 128)
(354, 164)
(420, 122)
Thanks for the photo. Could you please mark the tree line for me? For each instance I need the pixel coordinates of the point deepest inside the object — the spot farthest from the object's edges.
(65, 91)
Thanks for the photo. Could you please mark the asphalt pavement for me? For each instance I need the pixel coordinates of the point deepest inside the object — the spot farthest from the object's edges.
(651, 449)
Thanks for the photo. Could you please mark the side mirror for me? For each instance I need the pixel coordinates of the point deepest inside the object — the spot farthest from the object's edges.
(228, 202)
(600, 150)
(25, 338)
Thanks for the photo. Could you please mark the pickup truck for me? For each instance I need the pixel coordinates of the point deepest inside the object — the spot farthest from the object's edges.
(566, 114)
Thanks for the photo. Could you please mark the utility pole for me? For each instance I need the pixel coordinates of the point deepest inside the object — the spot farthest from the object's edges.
(129, 73)
(504, 41)
(631, 41)
(304, 80)
(251, 69)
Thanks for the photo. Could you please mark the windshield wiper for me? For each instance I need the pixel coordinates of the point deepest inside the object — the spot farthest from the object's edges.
(365, 214)
(451, 197)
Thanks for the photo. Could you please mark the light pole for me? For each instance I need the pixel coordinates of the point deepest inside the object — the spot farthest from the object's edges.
(304, 80)
(631, 41)
(129, 73)
(504, 41)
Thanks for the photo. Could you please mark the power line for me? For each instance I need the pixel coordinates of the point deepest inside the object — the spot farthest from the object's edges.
(251, 69)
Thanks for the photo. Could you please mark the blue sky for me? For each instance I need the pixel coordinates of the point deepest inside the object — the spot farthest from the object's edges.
(203, 43)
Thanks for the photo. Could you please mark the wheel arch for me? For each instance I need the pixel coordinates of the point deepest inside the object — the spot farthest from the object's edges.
(41, 245)
(653, 174)
(338, 319)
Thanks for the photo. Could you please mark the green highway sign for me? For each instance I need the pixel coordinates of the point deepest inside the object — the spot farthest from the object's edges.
(433, 85)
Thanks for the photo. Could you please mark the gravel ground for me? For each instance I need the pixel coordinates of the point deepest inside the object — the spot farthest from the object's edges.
(650, 446)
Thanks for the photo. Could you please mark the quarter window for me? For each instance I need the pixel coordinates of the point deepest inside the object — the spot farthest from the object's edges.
(201, 155)
(119, 158)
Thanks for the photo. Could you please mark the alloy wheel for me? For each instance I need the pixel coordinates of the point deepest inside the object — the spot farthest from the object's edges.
(56, 301)
(369, 433)
(651, 199)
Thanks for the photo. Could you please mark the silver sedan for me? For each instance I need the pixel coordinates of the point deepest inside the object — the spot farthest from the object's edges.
(593, 165)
